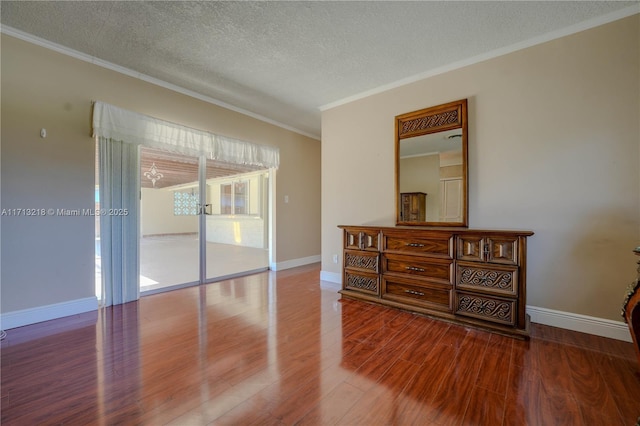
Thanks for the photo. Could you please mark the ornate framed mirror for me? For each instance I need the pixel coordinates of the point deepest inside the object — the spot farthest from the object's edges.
(431, 166)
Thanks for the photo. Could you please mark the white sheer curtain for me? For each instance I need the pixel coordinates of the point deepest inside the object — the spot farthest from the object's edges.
(119, 124)
(119, 133)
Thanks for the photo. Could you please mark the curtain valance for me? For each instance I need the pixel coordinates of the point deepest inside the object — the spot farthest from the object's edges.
(119, 124)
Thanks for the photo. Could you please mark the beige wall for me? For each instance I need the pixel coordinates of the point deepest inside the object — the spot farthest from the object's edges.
(50, 260)
(554, 133)
(156, 214)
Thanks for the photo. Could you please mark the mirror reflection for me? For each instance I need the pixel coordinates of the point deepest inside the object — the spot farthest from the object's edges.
(431, 169)
(431, 177)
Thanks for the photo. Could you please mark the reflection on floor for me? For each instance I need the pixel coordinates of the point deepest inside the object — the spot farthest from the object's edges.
(171, 260)
(275, 348)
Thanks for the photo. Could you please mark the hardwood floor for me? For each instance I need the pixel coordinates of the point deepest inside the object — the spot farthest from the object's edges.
(275, 349)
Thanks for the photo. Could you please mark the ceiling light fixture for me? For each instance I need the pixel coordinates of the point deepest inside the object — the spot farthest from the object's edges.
(153, 175)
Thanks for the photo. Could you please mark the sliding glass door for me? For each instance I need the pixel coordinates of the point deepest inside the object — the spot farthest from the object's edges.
(200, 220)
(237, 220)
(169, 219)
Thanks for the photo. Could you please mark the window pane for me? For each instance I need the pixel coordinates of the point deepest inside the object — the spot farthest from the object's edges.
(240, 199)
(225, 199)
(185, 203)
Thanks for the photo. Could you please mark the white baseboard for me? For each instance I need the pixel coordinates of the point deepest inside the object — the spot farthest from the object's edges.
(598, 326)
(293, 263)
(29, 316)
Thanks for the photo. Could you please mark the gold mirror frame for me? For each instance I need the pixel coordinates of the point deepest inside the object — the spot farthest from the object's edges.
(428, 121)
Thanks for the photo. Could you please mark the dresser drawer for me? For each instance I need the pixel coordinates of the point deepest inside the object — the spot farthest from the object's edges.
(494, 309)
(362, 260)
(440, 270)
(494, 279)
(428, 295)
(408, 242)
(494, 249)
(363, 282)
(361, 239)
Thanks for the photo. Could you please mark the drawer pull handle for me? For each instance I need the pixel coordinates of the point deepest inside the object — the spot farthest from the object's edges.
(415, 245)
(417, 293)
(413, 268)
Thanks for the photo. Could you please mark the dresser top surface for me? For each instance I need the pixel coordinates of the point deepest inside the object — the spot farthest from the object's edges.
(450, 229)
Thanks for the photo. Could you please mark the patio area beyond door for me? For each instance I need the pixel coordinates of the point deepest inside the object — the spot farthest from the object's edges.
(200, 220)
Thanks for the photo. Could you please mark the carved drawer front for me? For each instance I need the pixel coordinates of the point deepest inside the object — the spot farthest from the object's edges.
(440, 270)
(428, 295)
(470, 247)
(361, 239)
(500, 280)
(495, 249)
(487, 308)
(362, 282)
(362, 260)
(503, 250)
(439, 245)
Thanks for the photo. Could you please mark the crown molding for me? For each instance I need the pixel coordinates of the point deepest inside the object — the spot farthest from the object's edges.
(576, 28)
(4, 29)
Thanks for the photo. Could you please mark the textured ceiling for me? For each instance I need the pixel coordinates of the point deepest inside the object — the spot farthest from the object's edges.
(285, 60)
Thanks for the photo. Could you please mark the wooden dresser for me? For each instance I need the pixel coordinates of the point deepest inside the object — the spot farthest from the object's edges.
(467, 276)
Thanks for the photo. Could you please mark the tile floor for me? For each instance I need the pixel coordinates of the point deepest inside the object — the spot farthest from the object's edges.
(171, 260)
